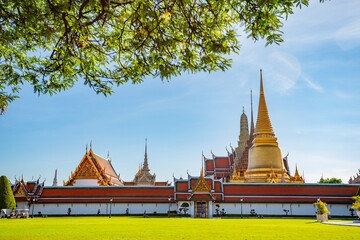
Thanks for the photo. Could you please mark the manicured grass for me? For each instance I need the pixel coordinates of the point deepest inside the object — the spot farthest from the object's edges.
(171, 228)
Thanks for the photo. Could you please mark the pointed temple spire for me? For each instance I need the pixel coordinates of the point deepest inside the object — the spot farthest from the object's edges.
(55, 182)
(146, 164)
(243, 138)
(265, 162)
(252, 129)
(296, 172)
(202, 169)
(263, 124)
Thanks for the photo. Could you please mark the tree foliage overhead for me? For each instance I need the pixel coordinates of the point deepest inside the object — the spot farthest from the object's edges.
(7, 200)
(51, 44)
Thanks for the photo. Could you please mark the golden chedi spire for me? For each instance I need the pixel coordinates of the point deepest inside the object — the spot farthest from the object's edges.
(263, 124)
(252, 129)
(265, 163)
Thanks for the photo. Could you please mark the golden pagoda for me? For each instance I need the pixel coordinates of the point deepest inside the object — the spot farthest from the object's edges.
(265, 163)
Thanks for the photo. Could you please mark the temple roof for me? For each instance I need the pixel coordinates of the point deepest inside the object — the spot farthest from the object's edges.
(25, 189)
(143, 176)
(92, 166)
(263, 124)
(106, 164)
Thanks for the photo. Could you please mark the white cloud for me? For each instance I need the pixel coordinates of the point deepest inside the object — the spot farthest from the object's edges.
(284, 71)
(348, 36)
(313, 26)
(312, 84)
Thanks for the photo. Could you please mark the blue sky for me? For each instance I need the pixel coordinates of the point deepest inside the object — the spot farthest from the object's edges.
(312, 88)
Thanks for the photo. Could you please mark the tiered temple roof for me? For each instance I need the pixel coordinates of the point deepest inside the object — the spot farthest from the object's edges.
(27, 190)
(220, 167)
(143, 176)
(92, 166)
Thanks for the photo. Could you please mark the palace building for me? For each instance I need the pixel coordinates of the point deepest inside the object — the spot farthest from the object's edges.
(253, 179)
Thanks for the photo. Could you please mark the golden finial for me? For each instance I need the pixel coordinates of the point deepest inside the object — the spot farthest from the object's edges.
(263, 123)
(296, 171)
(261, 82)
(252, 129)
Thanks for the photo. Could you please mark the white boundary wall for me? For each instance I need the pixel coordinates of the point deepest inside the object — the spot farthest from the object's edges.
(104, 208)
(294, 209)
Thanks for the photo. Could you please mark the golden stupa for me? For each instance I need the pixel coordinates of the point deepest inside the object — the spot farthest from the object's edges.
(265, 163)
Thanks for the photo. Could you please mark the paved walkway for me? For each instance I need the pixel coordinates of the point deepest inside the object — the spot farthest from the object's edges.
(357, 224)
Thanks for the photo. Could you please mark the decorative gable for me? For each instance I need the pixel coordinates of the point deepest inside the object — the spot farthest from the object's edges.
(201, 186)
(19, 190)
(90, 168)
(201, 190)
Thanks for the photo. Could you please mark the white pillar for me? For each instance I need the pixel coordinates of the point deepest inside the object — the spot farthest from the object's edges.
(192, 209)
(210, 205)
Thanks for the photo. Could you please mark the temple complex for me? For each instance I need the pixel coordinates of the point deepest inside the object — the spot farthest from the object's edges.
(257, 158)
(253, 179)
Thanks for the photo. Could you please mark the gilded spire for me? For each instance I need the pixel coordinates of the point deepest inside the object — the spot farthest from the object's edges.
(146, 165)
(252, 129)
(297, 178)
(296, 172)
(263, 124)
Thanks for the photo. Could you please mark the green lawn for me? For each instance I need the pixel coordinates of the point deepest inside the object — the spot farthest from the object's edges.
(173, 228)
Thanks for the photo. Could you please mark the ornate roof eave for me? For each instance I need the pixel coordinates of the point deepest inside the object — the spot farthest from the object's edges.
(106, 180)
(21, 189)
(206, 193)
(99, 172)
(201, 186)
